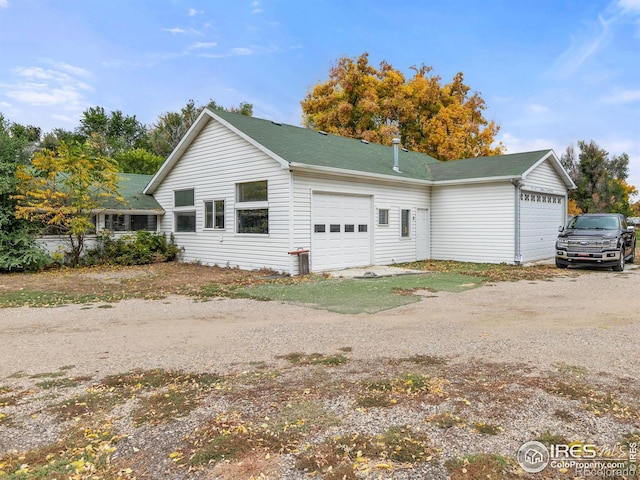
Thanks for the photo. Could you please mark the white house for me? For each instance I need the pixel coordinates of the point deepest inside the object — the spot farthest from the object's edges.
(245, 192)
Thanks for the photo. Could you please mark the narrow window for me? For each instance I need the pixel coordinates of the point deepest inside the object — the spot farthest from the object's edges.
(208, 214)
(383, 216)
(405, 225)
(320, 228)
(334, 228)
(349, 228)
(362, 228)
(218, 211)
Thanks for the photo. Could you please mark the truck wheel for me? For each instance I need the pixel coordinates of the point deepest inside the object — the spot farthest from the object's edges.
(620, 266)
(560, 265)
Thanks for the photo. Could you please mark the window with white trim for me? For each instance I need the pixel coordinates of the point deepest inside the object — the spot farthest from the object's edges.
(383, 216)
(184, 210)
(252, 207)
(405, 223)
(214, 214)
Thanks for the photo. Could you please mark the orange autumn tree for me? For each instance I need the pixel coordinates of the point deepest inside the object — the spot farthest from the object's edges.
(377, 104)
(60, 190)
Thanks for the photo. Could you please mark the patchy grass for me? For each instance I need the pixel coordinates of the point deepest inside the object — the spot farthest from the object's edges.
(490, 271)
(348, 454)
(353, 296)
(300, 418)
(483, 465)
(487, 428)
(297, 358)
(63, 382)
(110, 284)
(83, 452)
(180, 394)
(446, 420)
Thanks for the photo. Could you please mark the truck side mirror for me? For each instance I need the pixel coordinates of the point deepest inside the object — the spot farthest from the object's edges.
(561, 228)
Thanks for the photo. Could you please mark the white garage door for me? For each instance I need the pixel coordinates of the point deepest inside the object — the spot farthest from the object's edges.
(341, 231)
(540, 216)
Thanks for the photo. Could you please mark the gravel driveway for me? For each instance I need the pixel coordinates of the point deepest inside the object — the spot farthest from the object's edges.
(506, 363)
(588, 320)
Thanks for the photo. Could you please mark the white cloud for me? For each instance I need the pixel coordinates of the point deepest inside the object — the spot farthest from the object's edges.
(38, 86)
(241, 51)
(537, 109)
(630, 5)
(256, 7)
(623, 96)
(183, 31)
(514, 144)
(202, 45)
(4, 3)
(193, 12)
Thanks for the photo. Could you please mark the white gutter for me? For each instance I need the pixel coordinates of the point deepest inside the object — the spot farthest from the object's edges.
(357, 173)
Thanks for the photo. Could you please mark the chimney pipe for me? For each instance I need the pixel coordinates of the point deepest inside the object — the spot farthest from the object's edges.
(396, 166)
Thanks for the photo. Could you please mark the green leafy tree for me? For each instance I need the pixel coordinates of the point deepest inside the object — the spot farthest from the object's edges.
(18, 250)
(377, 104)
(61, 190)
(600, 180)
(167, 132)
(113, 133)
(138, 160)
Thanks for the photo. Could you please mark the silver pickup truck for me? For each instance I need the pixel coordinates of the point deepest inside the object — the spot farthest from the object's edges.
(596, 239)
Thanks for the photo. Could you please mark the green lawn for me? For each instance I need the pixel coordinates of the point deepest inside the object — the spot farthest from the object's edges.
(369, 295)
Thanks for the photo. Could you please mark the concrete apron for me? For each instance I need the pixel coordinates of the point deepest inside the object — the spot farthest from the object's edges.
(373, 271)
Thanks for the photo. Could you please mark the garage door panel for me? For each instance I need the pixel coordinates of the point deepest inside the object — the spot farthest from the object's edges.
(540, 216)
(346, 239)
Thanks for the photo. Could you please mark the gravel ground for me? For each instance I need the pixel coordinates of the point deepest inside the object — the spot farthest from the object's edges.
(581, 325)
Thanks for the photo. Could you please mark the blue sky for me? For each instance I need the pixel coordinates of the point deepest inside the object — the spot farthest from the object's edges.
(552, 72)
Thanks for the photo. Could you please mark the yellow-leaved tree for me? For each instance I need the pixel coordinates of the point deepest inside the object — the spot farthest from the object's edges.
(377, 104)
(61, 190)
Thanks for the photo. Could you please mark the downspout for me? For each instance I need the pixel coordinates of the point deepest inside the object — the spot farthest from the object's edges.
(291, 223)
(517, 183)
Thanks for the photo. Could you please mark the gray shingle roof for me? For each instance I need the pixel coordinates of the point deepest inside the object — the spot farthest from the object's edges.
(130, 187)
(510, 165)
(309, 147)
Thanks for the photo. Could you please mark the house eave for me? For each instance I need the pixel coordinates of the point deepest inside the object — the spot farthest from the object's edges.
(127, 211)
(340, 172)
(466, 181)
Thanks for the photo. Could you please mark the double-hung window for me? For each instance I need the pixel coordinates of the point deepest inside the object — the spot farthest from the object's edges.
(252, 207)
(214, 214)
(184, 210)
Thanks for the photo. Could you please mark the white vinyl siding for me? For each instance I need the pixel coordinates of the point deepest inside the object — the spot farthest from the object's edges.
(215, 162)
(545, 178)
(473, 223)
(388, 247)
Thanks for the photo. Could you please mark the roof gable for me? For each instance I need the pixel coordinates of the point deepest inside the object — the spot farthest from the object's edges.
(297, 147)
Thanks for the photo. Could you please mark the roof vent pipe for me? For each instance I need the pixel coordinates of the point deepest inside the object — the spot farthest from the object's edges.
(396, 166)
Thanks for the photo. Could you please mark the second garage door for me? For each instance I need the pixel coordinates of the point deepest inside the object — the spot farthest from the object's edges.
(540, 216)
(341, 231)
